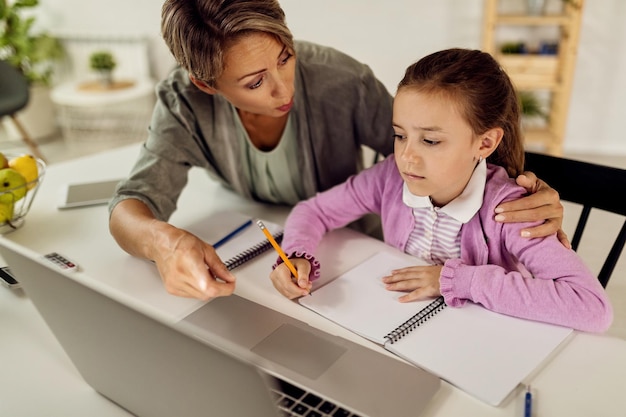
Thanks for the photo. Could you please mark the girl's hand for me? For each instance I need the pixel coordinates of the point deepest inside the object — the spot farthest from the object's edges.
(285, 282)
(420, 282)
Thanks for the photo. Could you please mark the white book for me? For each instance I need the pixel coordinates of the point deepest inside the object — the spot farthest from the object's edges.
(484, 353)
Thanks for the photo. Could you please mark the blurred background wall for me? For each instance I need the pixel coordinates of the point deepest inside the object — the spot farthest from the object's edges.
(389, 35)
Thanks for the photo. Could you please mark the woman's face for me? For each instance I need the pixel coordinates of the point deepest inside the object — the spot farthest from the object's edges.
(435, 148)
(258, 76)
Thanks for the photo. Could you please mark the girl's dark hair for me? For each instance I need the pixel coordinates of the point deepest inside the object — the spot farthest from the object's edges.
(198, 32)
(484, 93)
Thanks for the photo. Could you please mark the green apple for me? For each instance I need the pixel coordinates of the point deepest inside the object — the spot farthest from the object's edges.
(12, 186)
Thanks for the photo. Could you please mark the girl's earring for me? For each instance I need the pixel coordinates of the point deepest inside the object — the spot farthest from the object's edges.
(480, 158)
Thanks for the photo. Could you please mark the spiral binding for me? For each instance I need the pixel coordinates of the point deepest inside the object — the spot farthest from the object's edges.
(253, 252)
(417, 320)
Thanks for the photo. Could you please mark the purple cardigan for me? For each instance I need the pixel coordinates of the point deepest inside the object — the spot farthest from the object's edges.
(537, 279)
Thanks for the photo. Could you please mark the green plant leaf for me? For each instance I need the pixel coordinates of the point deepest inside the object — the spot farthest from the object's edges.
(102, 61)
(530, 105)
(26, 3)
(33, 54)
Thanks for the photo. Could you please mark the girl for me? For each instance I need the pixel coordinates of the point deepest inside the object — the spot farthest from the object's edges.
(454, 111)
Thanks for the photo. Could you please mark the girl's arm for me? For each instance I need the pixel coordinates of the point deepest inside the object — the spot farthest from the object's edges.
(337, 207)
(559, 288)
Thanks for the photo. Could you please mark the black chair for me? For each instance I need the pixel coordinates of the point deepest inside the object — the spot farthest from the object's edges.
(590, 185)
(14, 96)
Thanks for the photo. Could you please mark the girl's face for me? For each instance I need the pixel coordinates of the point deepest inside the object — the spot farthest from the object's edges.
(258, 76)
(435, 148)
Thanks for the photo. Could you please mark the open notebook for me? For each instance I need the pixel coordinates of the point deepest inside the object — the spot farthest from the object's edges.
(481, 352)
(244, 240)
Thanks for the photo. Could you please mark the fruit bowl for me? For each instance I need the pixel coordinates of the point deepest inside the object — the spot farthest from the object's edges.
(18, 186)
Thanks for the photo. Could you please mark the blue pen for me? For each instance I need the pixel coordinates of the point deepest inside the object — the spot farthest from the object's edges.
(528, 402)
(232, 234)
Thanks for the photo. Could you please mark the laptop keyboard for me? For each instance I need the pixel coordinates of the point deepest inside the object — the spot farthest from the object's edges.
(294, 401)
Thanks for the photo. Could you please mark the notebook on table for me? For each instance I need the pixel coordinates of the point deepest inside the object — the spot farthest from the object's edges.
(231, 357)
(481, 352)
(235, 236)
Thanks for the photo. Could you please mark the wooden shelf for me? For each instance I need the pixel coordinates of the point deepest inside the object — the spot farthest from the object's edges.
(543, 138)
(525, 20)
(533, 72)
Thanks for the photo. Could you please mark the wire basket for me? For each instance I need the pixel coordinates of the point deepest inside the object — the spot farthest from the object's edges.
(15, 202)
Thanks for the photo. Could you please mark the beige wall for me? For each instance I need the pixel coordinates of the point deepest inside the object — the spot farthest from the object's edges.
(388, 35)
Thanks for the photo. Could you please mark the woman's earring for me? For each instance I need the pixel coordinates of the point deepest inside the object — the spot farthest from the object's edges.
(480, 158)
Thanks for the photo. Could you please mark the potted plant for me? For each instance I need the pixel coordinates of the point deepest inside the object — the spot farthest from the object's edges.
(34, 55)
(513, 48)
(532, 109)
(103, 63)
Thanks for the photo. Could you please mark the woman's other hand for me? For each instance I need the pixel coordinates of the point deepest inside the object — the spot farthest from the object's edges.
(542, 203)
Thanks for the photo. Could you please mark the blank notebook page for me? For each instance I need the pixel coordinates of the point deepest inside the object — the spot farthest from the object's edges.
(483, 353)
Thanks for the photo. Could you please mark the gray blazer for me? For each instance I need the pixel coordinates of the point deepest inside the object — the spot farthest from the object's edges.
(339, 105)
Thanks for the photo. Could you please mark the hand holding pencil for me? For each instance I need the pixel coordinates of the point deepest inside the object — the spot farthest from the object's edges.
(291, 277)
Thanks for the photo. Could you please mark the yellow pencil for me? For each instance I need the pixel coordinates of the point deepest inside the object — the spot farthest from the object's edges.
(278, 249)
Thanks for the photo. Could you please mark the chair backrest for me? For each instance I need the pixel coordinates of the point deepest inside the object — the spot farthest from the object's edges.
(593, 186)
(14, 89)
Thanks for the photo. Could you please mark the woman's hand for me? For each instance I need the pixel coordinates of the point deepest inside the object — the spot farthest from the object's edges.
(285, 283)
(420, 282)
(542, 203)
(189, 267)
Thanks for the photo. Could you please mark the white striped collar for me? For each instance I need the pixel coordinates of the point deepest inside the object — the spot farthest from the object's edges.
(463, 207)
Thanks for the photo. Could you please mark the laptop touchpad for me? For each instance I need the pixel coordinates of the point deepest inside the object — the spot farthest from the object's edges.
(299, 350)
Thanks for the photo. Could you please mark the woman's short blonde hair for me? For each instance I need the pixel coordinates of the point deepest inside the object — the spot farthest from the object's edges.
(198, 32)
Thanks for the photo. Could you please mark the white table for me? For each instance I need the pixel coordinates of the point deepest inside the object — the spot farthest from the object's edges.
(93, 113)
(585, 378)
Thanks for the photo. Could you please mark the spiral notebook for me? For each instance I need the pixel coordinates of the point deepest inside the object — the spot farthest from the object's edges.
(481, 352)
(241, 247)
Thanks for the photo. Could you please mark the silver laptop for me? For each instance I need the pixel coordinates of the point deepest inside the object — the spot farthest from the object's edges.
(231, 357)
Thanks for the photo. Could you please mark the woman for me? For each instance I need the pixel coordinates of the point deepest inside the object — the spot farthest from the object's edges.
(296, 114)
